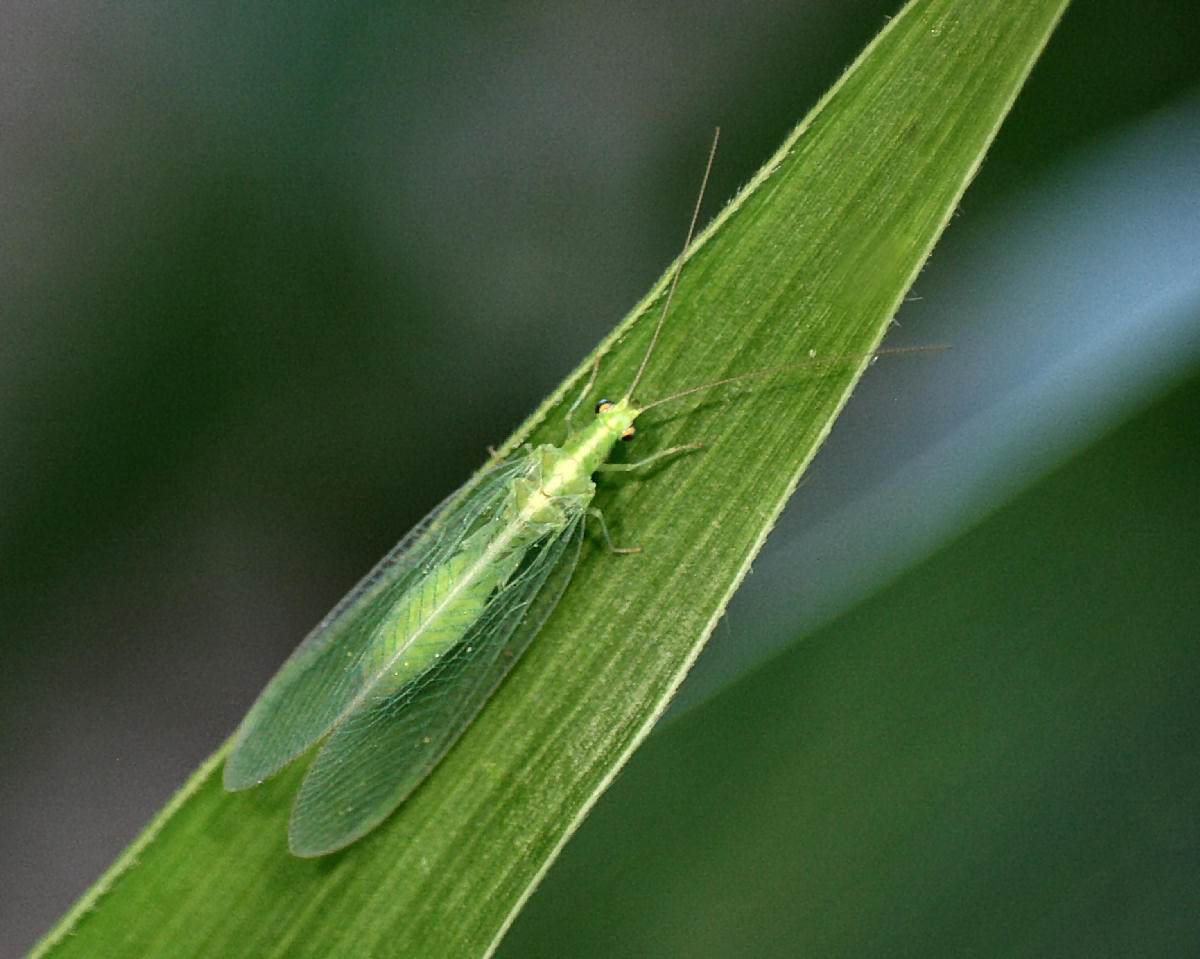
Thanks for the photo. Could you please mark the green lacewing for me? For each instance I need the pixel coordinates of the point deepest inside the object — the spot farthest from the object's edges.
(393, 675)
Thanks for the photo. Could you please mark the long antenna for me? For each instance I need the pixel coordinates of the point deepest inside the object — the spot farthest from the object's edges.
(678, 266)
(794, 366)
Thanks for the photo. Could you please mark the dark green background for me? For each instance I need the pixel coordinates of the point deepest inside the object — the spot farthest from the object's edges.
(271, 284)
(1009, 770)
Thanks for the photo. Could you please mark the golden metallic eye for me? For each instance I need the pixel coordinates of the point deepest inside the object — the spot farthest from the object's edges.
(603, 406)
(628, 434)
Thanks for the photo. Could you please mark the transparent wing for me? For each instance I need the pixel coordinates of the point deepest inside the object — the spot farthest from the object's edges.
(385, 747)
(319, 681)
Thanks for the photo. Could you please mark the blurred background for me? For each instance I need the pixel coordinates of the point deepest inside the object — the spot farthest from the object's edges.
(272, 281)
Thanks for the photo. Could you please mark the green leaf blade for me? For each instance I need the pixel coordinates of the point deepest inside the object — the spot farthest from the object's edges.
(813, 257)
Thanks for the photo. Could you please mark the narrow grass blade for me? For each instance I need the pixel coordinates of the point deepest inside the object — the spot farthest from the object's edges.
(814, 256)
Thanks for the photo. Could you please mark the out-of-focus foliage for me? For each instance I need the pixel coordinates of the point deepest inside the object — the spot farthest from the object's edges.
(994, 756)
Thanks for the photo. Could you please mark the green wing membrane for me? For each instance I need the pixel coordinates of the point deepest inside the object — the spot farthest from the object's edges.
(327, 678)
(386, 745)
